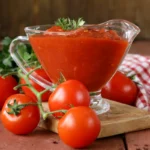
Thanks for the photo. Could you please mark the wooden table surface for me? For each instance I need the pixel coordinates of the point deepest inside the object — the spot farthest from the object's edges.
(45, 140)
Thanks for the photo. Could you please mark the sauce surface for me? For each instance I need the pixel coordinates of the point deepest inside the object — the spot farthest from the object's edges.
(90, 56)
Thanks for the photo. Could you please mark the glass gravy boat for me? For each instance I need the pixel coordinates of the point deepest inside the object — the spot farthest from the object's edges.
(91, 60)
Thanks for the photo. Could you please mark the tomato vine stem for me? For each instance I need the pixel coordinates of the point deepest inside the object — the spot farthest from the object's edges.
(16, 108)
(19, 85)
(94, 93)
(9, 73)
(30, 72)
(38, 94)
(45, 115)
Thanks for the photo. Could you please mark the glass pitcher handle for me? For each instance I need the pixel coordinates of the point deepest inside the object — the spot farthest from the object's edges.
(21, 62)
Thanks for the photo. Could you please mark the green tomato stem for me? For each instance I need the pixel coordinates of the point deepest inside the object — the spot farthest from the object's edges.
(16, 108)
(20, 85)
(32, 63)
(94, 93)
(28, 74)
(38, 95)
(42, 92)
(27, 104)
(52, 112)
(10, 73)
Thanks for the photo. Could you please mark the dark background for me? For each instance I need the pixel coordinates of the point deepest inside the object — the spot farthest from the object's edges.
(16, 14)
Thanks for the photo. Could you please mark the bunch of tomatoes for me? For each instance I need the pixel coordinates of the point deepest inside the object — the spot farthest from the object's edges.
(78, 124)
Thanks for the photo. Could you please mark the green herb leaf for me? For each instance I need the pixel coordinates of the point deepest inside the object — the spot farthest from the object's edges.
(7, 61)
(7, 64)
(6, 41)
(68, 24)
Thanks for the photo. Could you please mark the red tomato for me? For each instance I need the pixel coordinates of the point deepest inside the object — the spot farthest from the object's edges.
(121, 89)
(68, 94)
(27, 91)
(6, 88)
(79, 127)
(26, 121)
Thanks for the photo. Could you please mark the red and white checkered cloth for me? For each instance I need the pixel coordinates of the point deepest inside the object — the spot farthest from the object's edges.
(139, 65)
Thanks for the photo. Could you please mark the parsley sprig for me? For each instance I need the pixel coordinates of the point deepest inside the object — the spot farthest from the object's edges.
(7, 64)
(68, 24)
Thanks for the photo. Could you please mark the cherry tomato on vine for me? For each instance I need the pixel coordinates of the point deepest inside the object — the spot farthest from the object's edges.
(27, 91)
(25, 121)
(79, 127)
(6, 88)
(121, 89)
(68, 94)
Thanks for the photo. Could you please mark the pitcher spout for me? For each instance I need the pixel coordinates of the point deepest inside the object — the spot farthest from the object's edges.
(124, 28)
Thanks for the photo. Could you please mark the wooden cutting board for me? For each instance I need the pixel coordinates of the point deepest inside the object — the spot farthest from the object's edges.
(120, 119)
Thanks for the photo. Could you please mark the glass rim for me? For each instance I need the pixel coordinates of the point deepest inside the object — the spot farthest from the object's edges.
(37, 28)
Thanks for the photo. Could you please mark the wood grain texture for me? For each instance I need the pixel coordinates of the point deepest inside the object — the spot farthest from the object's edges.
(15, 15)
(110, 143)
(138, 140)
(120, 119)
(43, 140)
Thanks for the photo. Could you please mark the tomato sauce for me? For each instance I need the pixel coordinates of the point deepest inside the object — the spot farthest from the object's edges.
(89, 55)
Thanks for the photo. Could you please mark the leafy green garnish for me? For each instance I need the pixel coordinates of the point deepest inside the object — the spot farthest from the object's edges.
(26, 53)
(7, 64)
(68, 24)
